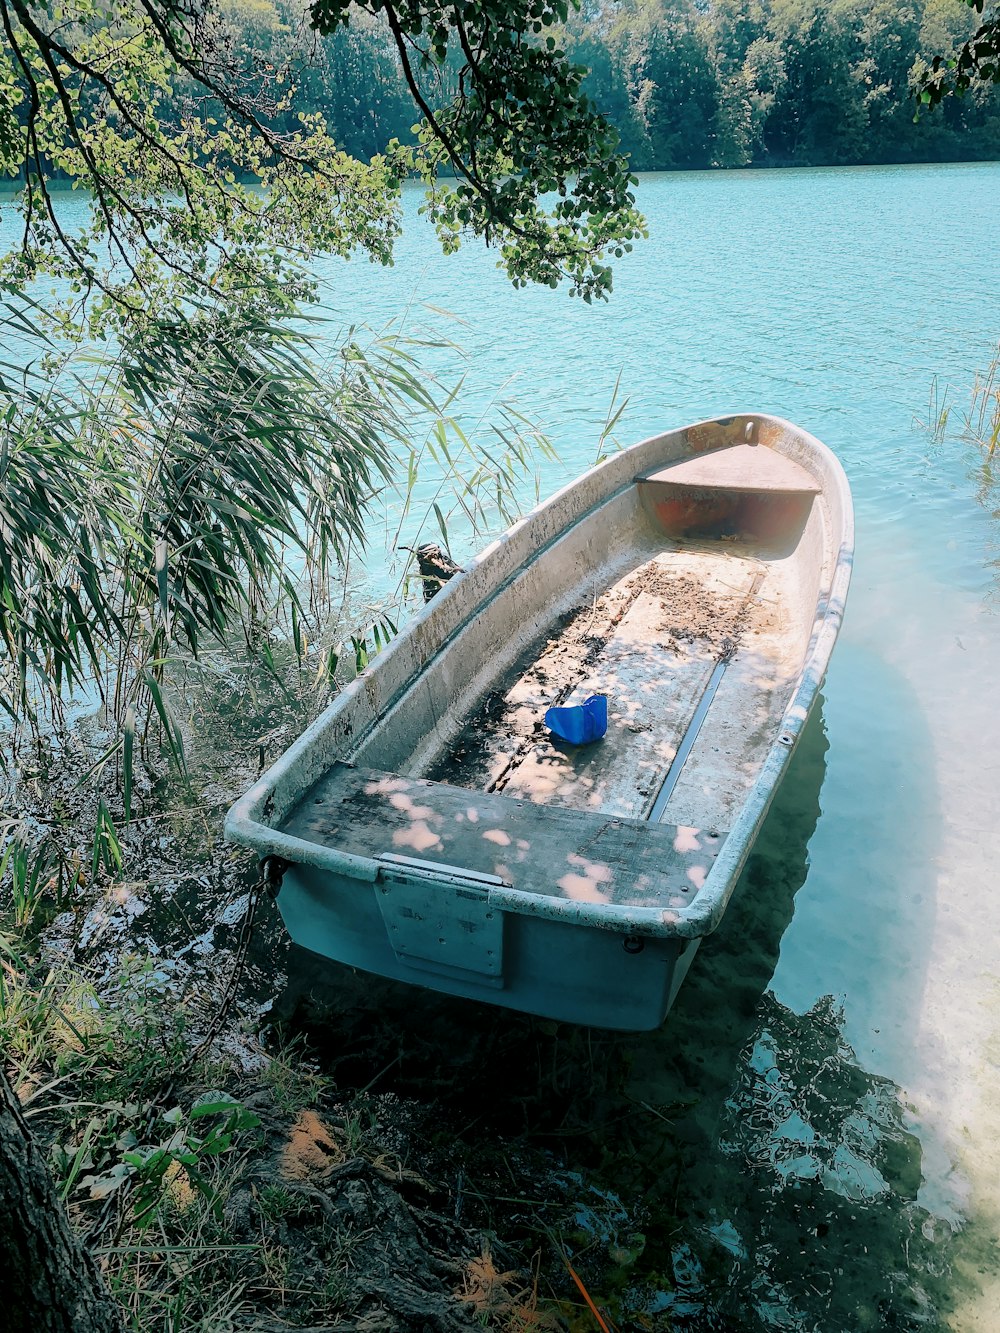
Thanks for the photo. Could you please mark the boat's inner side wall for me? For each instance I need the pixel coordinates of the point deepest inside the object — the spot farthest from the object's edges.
(412, 733)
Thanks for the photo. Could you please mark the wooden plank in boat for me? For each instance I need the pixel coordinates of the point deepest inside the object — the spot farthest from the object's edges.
(751, 468)
(548, 850)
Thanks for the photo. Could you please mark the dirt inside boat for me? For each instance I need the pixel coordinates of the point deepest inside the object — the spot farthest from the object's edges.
(650, 642)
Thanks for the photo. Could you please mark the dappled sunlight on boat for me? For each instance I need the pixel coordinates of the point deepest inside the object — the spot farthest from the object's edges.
(696, 874)
(686, 839)
(582, 884)
(419, 837)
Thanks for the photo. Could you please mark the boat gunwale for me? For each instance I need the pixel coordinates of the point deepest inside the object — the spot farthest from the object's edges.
(244, 821)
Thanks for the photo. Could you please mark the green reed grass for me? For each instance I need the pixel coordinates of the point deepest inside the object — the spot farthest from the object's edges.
(213, 478)
(982, 420)
(157, 499)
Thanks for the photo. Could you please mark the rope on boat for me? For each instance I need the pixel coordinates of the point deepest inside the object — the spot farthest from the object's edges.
(272, 869)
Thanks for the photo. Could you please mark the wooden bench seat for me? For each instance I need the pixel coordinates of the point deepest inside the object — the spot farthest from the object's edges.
(745, 490)
(752, 469)
(548, 850)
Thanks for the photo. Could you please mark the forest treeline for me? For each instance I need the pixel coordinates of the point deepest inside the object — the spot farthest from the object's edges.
(725, 83)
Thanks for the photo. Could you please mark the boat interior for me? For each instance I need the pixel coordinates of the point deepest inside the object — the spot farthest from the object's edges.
(688, 599)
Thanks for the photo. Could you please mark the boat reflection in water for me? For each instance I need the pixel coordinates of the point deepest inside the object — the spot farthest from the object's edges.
(784, 1194)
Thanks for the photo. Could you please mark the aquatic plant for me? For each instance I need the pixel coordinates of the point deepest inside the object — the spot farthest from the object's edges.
(981, 422)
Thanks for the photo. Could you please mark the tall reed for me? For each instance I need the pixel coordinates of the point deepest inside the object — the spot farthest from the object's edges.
(158, 497)
(982, 421)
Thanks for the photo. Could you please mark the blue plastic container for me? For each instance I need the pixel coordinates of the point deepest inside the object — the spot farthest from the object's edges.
(581, 723)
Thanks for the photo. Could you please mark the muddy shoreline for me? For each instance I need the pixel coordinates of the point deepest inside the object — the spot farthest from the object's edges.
(421, 1162)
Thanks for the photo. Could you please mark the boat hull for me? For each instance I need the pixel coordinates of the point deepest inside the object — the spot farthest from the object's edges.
(429, 830)
(558, 970)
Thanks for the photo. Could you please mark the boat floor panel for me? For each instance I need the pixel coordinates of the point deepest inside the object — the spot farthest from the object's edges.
(539, 849)
(748, 707)
(650, 643)
(653, 681)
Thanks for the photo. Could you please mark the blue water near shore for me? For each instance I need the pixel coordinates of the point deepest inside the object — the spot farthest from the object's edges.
(838, 1041)
(837, 1045)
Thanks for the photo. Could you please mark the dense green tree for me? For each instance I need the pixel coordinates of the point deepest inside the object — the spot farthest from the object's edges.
(749, 72)
(975, 64)
(164, 111)
(672, 86)
(359, 77)
(817, 115)
(887, 39)
(795, 83)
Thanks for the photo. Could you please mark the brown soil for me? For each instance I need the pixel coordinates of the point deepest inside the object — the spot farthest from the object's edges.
(692, 613)
(311, 1152)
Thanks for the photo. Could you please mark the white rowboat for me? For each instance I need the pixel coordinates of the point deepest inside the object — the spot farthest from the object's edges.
(427, 827)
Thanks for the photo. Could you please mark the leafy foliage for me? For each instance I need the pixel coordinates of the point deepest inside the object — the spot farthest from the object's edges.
(151, 1168)
(976, 63)
(157, 110)
(165, 499)
(111, 98)
(516, 126)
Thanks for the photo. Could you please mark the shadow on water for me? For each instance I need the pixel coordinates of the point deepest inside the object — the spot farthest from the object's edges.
(773, 1179)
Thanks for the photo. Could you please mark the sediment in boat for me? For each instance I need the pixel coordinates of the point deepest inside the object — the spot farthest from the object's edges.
(657, 631)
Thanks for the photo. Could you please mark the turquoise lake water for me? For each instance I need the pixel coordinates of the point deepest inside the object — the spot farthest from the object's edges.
(835, 1052)
(842, 1045)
